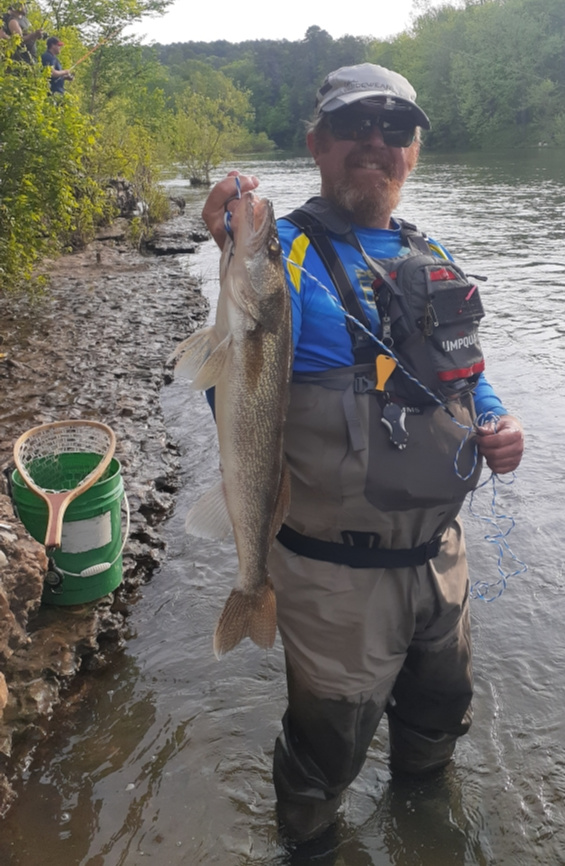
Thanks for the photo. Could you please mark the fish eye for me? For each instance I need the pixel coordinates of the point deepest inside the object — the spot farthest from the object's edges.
(274, 247)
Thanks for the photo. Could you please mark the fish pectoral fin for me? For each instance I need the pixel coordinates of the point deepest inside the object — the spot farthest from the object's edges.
(193, 352)
(209, 517)
(245, 614)
(211, 370)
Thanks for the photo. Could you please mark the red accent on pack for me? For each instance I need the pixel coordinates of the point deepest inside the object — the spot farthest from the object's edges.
(449, 375)
(441, 274)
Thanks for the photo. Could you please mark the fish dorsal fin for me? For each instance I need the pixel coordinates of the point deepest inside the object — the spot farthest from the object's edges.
(209, 517)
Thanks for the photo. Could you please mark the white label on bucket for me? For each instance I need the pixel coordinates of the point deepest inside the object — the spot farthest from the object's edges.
(79, 536)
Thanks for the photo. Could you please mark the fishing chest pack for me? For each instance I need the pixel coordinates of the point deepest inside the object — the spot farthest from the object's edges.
(429, 311)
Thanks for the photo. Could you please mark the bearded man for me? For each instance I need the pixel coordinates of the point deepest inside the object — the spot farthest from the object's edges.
(384, 439)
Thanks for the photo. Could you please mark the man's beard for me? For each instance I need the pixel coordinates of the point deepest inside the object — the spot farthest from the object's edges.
(368, 205)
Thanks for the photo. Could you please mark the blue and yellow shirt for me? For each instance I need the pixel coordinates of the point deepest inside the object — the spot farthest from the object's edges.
(321, 338)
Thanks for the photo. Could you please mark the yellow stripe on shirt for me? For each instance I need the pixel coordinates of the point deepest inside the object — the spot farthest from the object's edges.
(437, 249)
(296, 260)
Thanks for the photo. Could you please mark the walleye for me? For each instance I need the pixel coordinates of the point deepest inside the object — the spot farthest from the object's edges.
(246, 355)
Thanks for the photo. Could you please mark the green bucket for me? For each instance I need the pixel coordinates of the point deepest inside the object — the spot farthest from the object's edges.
(92, 534)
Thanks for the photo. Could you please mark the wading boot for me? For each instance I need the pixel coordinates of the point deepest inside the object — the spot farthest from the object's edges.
(417, 752)
(304, 809)
(303, 822)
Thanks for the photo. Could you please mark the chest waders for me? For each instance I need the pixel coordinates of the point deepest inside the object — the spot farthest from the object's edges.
(373, 446)
(370, 572)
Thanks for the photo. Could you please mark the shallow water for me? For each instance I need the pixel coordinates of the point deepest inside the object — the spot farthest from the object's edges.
(167, 760)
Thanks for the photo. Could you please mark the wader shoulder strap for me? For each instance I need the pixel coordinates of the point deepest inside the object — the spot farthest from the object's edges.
(356, 551)
(316, 219)
(316, 232)
(413, 237)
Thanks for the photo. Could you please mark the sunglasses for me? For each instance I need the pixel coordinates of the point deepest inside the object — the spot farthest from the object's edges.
(355, 126)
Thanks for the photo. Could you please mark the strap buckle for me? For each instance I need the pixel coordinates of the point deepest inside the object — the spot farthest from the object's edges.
(367, 540)
(362, 384)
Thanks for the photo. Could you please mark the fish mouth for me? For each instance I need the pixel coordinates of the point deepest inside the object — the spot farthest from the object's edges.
(258, 220)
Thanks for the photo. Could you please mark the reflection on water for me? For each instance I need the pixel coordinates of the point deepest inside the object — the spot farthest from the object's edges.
(167, 758)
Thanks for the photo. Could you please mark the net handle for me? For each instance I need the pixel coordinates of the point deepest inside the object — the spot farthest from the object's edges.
(57, 503)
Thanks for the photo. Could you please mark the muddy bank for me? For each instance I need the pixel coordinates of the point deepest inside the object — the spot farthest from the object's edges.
(94, 347)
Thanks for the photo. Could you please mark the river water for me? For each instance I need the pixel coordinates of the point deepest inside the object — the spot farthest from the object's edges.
(168, 759)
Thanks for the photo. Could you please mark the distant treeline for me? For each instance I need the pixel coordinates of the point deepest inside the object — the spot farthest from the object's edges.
(490, 73)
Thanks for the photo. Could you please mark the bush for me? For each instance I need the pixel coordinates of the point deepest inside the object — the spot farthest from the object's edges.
(48, 199)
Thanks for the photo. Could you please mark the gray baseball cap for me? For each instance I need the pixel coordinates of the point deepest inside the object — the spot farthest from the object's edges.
(380, 88)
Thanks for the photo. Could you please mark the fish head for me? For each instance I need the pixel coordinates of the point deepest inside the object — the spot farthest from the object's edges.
(257, 246)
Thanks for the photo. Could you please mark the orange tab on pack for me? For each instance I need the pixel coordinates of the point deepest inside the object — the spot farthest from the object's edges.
(385, 366)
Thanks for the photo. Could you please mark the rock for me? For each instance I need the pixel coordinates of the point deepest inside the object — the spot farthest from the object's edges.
(94, 346)
(21, 581)
(124, 197)
(117, 231)
(178, 202)
(182, 240)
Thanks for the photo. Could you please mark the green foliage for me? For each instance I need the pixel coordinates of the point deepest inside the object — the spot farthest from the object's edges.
(207, 129)
(95, 19)
(281, 77)
(48, 198)
(57, 154)
(488, 72)
(154, 208)
(134, 150)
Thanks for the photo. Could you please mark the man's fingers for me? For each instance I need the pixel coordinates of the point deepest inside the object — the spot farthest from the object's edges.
(224, 196)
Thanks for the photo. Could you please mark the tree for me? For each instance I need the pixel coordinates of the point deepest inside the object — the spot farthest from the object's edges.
(99, 24)
(48, 198)
(206, 130)
(95, 19)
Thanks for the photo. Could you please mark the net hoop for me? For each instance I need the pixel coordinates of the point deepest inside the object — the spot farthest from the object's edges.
(42, 445)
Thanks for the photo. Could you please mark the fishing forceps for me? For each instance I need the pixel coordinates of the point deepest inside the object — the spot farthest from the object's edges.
(227, 214)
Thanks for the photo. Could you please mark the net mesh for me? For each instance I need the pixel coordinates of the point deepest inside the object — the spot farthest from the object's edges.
(44, 455)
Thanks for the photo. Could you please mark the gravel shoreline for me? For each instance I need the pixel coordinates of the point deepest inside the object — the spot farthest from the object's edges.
(95, 346)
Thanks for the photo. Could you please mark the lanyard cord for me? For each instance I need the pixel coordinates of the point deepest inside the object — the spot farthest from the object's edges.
(480, 589)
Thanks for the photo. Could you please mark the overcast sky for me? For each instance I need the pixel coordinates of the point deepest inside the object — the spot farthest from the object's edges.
(239, 20)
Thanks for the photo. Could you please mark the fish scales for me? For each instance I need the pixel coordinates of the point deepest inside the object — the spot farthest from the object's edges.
(246, 356)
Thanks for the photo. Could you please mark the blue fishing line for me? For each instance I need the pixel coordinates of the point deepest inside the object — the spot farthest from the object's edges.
(227, 213)
(480, 588)
(386, 349)
(499, 537)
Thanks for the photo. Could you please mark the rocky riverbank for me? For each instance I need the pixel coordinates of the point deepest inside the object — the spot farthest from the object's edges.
(95, 346)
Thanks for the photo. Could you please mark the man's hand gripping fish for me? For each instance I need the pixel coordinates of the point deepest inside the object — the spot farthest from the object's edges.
(246, 355)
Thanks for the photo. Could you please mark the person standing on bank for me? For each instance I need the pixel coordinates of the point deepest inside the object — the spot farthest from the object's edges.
(51, 58)
(15, 23)
(369, 568)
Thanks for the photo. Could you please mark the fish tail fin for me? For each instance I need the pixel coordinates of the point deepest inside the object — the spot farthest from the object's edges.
(251, 615)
